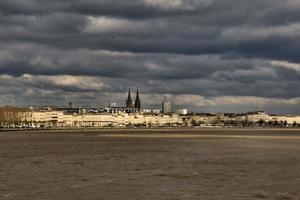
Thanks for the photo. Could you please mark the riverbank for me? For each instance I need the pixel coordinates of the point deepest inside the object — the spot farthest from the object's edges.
(150, 130)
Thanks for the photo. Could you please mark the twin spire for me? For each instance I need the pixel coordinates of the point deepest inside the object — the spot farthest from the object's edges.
(137, 102)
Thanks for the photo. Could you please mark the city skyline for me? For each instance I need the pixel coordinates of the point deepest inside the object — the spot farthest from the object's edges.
(204, 55)
(156, 106)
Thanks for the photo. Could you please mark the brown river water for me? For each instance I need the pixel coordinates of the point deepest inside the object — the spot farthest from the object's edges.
(150, 164)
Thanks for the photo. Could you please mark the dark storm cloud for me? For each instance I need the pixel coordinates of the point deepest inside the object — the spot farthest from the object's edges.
(207, 48)
(253, 29)
(127, 65)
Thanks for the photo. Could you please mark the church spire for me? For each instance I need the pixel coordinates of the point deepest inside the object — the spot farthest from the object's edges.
(129, 100)
(137, 103)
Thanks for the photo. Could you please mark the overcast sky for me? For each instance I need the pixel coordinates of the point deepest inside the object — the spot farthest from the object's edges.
(207, 55)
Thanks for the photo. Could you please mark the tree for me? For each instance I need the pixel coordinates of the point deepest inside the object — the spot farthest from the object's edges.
(270, 123)
(295, 124)
(276, 124)
(1, 117)
(195, 123)
(261, 122)
(11, 116)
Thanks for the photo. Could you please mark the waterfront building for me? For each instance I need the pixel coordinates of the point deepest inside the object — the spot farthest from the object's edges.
(56, 117)
(286, 118)
(258, 116)
(119, 119)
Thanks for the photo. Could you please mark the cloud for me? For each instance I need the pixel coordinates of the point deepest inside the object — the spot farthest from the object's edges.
(178, 4)
(102, 25)
(96, 91)
(205, 53)
(208, 75)
(287, 65)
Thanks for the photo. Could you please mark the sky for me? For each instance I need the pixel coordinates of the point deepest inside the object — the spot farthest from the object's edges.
(204, 55)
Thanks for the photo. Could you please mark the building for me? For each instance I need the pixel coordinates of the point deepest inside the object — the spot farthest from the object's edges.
(151, 111)
(166, 107)
(286, 118)
(156, 111)
(127, 117)
(121, 119)
(137, 103)
(182, 111)
(112, 105)
(129, 100)
(258, 116)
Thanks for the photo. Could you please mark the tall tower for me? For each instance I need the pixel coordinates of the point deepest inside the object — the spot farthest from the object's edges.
(166, 107)
(129, 100)
(137, 103)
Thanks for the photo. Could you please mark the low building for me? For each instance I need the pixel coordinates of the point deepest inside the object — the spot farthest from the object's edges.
(182, 111)
(258, 116)
(286, 119)
(119, 119)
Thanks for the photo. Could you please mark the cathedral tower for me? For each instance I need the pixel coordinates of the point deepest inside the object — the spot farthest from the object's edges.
(137, 103)
(129, 100)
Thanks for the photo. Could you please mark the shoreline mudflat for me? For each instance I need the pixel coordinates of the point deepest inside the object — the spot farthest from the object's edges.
(224, 133)
(154, 130)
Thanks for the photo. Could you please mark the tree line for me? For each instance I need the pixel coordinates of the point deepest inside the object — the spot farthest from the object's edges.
(246, 123)
(12, 116)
